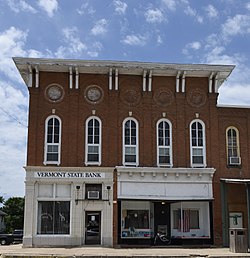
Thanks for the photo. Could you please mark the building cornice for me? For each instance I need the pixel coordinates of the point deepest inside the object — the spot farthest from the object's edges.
(26, 66)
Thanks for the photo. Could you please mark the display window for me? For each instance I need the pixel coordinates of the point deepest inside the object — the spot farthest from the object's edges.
(53, 217)
(53, 213)
(136, 220)
(190, 220)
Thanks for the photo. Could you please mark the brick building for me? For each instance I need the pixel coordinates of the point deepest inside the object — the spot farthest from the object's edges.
(118, 151)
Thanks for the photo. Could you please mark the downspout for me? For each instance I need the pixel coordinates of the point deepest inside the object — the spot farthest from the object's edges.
(116, 79)
(178, 81)
(150, 81)
(144, 80)
(37, 77)
(211, 82)
(110, 78)
(70, 77)
(216, 84)
(183, 81)
(77, 78)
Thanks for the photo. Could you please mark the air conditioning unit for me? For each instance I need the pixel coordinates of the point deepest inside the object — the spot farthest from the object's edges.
(234, 160)
(93, 195)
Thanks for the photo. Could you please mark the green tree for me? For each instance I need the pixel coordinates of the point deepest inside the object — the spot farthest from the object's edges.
(14, 208)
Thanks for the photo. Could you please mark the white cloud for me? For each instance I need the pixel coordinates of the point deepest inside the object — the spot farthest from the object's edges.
(49, 6)
(13, 105)
(86, 8)
(211, 11)
(196, 45)
(236, 90)
(20, 5)
(216, 55)
(100, 27)
(237, 79)
(75, 47)
(153, 16)
(134, 40)
(120, 7)
(234, 94)
(170, 4)
(13, 131)
(192, 12)
(71, 35)
(159, 40)
(12, 43)
(94, 49)
(233, 26)
(212, 41)
(248, 6)
(74, 44)
(239, 24)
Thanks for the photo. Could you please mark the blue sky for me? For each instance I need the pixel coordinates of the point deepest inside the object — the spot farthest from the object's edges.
(167, 31)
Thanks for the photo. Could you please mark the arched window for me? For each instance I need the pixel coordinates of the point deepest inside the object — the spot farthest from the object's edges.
(233, 148)
(130, 142)
(197, 144)
(164, 143)
(52, 140)
(93, 141)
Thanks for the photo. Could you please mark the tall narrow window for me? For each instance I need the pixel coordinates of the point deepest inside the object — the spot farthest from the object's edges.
(233, 150)
(93, 141)
(197, 144)
(130, 142)
(164, 143)
(52, 140)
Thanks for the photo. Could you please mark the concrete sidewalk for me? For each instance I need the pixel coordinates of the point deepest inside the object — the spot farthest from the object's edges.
(15, 251)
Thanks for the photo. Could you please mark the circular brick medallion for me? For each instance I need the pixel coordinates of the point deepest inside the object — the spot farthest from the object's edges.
(163, 97)
(93, 94)
(196, 98)
(54, 92)
(131, 97)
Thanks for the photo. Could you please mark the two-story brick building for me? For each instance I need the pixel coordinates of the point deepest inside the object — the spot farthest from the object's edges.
(118, 151)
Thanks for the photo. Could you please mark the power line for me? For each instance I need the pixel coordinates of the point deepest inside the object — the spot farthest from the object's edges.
(8, 114)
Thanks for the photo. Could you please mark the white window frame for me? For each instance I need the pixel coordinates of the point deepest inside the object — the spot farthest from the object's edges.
(53, 198)
(204, 220)
(99, 145)
(46, 144)
(136, 163)
(163, 146)
(203, 147)
(237, 143)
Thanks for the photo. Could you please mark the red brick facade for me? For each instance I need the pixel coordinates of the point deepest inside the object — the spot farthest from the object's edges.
(147, 107)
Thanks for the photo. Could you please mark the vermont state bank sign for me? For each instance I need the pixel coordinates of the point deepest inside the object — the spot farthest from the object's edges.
(69, 175)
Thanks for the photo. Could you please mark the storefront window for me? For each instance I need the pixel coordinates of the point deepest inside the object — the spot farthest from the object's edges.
(53, 217)
(136, 220)
(190, 220)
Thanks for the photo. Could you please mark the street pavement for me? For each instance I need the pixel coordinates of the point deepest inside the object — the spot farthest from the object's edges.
(15, 251)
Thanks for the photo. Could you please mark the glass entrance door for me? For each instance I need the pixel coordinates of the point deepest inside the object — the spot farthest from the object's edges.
(93, 228)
